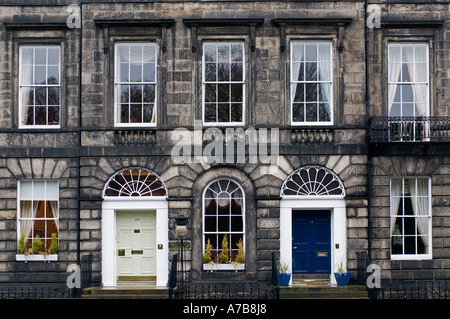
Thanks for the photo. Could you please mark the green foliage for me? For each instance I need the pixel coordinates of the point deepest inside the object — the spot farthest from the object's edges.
(54, 245)
(37, 245)
(207, 256)
(223, 256)
(283, 267)
(240, 255)
(21, 249)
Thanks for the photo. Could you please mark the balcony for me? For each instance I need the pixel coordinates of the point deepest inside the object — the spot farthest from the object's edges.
(409, 129)
(409, 135)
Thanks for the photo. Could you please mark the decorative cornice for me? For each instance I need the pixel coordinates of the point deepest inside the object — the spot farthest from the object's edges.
(222, 22)
(134, 22)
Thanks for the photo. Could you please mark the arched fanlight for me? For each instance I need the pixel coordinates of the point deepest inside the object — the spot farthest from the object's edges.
(312, 181)
(135, 182)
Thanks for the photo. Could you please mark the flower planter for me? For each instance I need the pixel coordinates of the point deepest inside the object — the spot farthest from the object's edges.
(342, 279)
(39, 257)
(223, 267)
(284, 279)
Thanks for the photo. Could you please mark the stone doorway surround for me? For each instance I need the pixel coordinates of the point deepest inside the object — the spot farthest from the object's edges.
(301, 191)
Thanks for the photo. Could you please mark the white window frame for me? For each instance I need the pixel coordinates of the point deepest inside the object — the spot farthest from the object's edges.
(241, 123)
(292, 82)
(412, 82)
(229, 266)
(118, 83)
(415, 256)
(35, 197)
(22, 125)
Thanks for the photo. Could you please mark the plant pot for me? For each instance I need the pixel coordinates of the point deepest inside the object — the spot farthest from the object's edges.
(342, 279)
(284, 279)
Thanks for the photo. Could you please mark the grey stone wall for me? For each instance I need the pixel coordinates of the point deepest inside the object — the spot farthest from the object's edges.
(104, 150)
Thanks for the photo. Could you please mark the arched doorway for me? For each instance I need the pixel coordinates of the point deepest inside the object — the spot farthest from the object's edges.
(313, 222)
(134, 228)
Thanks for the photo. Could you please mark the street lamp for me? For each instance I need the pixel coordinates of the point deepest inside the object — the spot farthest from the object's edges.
(181, 226)
(181, 230)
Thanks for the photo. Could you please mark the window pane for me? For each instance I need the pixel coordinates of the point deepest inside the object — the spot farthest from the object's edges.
(40, 115)
(236, 112)
(311, 92)
(53, 115)
(135, 93)
(40, 75)
(298, 110)
(135, 72)
(26, 190)
(311, 71)
(311, 112)
(124, 113)
(311, 52)
(26, 75)
(223, 112)
(149, 93)
(148, 113)
(210, 53)
(40, 57)
(237, 53)
(223, 92)
(53, 56)
(210, 112)
(237, 72)
(149, 72)
(135, 113)
(223, 72)
(236, 93)
(210, 72)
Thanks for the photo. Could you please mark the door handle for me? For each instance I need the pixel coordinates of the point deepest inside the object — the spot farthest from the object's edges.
(295, 247)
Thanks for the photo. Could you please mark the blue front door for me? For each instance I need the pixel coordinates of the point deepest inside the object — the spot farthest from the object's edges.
(311, 242)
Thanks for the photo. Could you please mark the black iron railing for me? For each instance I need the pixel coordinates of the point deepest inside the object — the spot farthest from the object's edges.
(412, 289)
(409, 129)
(36, 292)
(179, 289)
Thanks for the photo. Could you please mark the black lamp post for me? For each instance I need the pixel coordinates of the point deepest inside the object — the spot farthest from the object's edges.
(181, 230)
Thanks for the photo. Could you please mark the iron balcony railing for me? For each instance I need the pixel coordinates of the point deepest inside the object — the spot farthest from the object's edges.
(409, 129)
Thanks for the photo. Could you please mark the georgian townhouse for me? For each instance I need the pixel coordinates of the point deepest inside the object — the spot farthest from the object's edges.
(285, 127)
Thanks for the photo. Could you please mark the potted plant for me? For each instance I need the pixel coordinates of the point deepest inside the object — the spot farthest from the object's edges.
(223, 256)
(342, 276)
(284, 276)
(54, 245)
(37, 245)
(21, 249)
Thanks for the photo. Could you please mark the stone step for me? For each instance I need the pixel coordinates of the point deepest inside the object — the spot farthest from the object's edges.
(125, 293)
(324, 292)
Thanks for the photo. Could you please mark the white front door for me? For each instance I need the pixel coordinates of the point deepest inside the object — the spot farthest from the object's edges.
(136, 245)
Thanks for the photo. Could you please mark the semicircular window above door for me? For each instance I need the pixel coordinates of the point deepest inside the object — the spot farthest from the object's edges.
(135, 182)
(312, 181)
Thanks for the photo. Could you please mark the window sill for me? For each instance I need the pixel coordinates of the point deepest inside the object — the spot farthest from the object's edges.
(26, 258)
(223, 267)
(411, 257)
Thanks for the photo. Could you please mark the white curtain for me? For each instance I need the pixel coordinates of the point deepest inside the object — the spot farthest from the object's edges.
(297, 61)
(324, 58)
(419, 193)
(26, 82)
(28, 211)
(395, 65)
(396, 192)
(55, 213)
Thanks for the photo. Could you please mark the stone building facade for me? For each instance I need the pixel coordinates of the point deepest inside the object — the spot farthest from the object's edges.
(97, 110)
